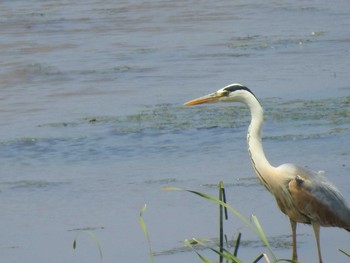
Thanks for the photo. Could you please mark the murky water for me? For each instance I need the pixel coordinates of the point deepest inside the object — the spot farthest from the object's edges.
(92, 124)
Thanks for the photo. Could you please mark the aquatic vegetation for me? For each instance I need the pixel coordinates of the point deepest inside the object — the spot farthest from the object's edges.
(167, 117)
(167, 128)
(344, 252)
(145, 231)
(93, 237)
(223, 247)
(226, 250)
(172, 117)
(32, 184)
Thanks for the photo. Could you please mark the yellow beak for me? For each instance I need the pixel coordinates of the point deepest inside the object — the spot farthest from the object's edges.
(214, 97)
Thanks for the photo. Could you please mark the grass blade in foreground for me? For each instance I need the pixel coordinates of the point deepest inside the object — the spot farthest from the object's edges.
(258, 231)
(204, 259)
(344, 252)
(93, 236)
(143, 226)
(224, 254)
(221, 216)
(262, 235)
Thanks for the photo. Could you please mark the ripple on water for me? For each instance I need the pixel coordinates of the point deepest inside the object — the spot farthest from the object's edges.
(28, 185)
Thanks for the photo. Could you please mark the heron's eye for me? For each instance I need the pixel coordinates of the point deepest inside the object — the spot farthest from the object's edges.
(225, 93)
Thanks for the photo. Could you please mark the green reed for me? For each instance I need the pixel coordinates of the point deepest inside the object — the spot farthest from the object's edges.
(224, 255)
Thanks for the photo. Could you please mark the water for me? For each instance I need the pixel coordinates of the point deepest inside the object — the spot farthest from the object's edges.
(92, 125)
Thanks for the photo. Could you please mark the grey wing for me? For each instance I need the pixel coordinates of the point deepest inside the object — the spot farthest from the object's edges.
(318, 199)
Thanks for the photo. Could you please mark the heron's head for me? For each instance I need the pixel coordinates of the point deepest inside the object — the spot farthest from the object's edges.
(231, 93)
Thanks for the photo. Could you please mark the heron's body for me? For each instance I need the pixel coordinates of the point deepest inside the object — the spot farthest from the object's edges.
(304, 196)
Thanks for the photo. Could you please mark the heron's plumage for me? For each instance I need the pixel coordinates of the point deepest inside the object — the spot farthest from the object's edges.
(318, 199)
(307, 196)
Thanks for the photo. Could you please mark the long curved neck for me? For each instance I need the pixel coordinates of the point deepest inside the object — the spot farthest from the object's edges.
(260, 164)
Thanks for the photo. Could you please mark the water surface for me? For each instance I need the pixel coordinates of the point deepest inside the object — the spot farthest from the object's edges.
(92, 125)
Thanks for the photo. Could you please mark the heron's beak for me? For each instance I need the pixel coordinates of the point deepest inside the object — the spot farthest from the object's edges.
(213, 97)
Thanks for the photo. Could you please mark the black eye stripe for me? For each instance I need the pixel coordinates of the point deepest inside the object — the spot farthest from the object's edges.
(236, 87)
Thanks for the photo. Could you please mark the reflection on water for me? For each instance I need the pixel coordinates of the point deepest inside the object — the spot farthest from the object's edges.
(92, 124)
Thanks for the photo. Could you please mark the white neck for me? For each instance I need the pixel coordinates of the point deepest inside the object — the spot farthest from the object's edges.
(260, 164)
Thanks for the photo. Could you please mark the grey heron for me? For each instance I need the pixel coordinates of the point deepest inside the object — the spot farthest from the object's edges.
(303, 195)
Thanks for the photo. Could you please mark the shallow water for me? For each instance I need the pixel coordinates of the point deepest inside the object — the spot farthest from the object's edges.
(92, 125)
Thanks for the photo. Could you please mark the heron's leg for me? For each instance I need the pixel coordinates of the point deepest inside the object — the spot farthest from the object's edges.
(294, 235)
(316, 228)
